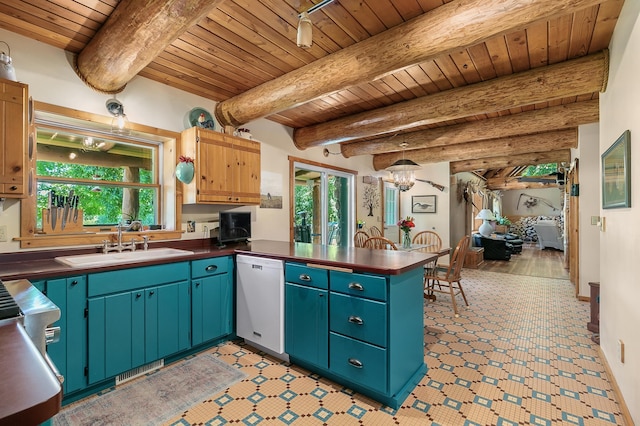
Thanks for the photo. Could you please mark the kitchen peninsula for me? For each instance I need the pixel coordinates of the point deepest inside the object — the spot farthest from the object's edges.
(354, 315)
(367, 333)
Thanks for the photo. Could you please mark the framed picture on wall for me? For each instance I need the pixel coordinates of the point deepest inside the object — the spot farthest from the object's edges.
(616, 172)
(423, 204)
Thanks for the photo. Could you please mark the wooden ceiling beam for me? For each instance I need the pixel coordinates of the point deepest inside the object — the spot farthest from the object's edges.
(515, 145)
(135, 33)
(535, 121)
(502, 161)
(570, 78)
(418, 40)
(497, 185)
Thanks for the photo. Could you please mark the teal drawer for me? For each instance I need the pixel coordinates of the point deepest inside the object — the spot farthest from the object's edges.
(361, 285)
(358, 362)
(211, 266)
(305, 275)
(359, 318)
(102, 283)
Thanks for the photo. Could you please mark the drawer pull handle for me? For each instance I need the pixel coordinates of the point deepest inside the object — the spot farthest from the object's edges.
(305, 277)
(356, 363)
(356, 286)
(355, 320)
(211, 268)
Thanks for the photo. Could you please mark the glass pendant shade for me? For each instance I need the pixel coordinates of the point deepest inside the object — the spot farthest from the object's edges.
(119, 122)
(404, 174)
(305, 30)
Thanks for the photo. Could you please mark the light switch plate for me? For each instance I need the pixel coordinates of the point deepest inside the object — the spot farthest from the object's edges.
(3, 233)
(595, 220)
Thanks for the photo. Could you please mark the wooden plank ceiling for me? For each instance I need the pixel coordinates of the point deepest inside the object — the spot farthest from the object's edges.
(487, 97)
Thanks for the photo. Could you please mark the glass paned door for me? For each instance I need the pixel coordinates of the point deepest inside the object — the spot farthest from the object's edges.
(391, 212)
(323, 205)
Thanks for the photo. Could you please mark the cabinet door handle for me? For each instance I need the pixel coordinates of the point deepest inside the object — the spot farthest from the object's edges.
(151, 293)
(305, 277)
(355, 320)
(198, 284)
(211, 268)
(356, 286)
(138, 295)
(356, 363)
(74, 282)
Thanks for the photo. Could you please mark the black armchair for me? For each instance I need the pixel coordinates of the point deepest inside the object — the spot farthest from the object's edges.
(494, 249)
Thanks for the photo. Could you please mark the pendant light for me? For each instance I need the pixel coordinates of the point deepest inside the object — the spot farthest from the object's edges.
(403, 171)
(119, 122)
(7, 71)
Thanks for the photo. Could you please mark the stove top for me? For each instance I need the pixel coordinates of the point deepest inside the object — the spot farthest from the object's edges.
(8, 306)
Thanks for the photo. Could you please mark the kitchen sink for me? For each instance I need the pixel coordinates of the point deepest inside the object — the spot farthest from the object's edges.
(115, 258)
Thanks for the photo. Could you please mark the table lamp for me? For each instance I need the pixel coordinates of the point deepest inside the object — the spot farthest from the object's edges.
(486, 215)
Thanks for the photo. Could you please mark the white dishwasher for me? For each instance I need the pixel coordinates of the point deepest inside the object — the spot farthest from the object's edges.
(260, 303)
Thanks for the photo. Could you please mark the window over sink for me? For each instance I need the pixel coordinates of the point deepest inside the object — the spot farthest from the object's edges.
(80, 165)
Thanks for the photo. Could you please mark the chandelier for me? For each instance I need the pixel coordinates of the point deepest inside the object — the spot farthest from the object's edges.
(403, 171)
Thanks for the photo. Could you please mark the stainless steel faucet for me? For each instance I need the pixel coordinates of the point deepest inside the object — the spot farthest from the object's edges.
(120, 246)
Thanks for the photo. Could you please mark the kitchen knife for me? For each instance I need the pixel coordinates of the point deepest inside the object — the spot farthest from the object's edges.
(65, 209)
(49, 208)
(54, 209)
(76, 201)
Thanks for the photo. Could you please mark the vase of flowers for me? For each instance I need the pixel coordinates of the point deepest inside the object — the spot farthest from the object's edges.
(405, 226)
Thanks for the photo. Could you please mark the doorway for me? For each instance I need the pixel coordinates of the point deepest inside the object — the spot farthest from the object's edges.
(323, 203)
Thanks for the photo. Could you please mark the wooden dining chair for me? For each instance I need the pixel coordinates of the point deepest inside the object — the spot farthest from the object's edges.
(380, 243)
(433, 243)
(446, 278)
(374, 231)
(359, 238)
(428, 238)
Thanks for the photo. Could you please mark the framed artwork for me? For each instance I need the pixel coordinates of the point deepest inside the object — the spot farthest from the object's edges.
(423, 204)
(616, 173)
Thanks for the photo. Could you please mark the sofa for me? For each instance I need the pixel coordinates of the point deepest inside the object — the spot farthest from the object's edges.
(549, 234)
(494, 249)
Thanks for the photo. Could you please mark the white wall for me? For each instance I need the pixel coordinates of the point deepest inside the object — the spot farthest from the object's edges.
(588, 153)
(513, 202)
(619, 266)
(438, 222)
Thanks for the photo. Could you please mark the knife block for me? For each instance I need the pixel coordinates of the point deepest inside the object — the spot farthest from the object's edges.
(69, 228)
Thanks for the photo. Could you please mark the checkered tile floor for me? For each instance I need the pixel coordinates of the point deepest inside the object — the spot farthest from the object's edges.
(520, 354)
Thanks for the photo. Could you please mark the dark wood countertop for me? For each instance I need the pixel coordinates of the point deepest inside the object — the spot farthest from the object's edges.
(387, 262)
(29, 391)
(42, 264)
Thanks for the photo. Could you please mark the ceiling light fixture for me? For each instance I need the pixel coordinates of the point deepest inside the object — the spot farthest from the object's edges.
(403, 171)
(119, 122)
(305, 26)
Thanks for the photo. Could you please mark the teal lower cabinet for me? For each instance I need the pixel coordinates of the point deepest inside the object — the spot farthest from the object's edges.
(136, 316)
(306, 316)
(211, 299)
(69, 354)
(306, 324)
(371, 337)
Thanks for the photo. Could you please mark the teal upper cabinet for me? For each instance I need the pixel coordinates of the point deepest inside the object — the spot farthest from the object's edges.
(136, 316)
(211, 299)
